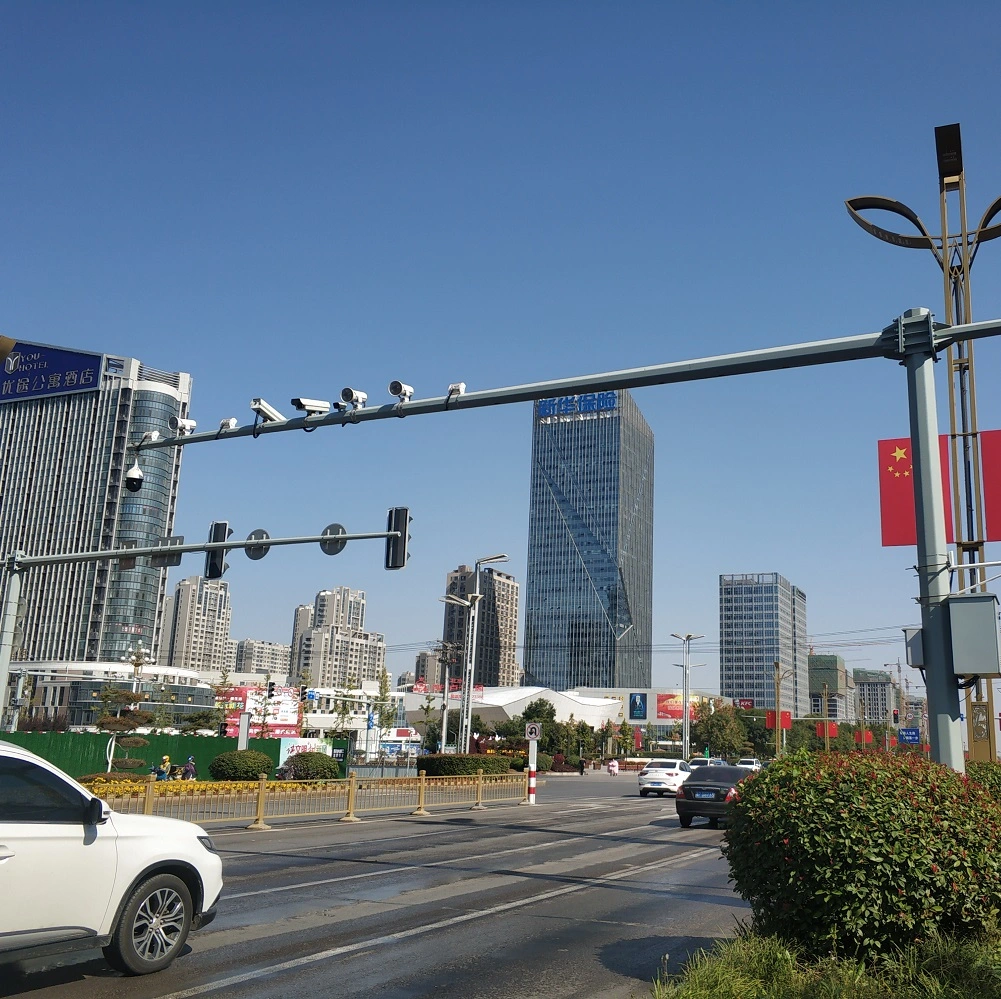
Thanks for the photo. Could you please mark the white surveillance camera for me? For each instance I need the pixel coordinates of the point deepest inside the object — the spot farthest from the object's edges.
(312, 407)
(229, 424)
(134, 478)
(457, 388)
(151, 436)
(181, 427)
(356, 398)
(266, 411)
(402, 390)
(340, 407)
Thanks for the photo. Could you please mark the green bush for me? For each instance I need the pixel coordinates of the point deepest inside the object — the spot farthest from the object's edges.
(457, 764)
(241, 764)
(852, 855)
(986, 774)
(543, 762)
(309, 766)
(518, 763)
(132, 742)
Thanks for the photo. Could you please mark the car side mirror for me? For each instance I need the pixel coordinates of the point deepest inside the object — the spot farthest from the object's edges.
(93, 813)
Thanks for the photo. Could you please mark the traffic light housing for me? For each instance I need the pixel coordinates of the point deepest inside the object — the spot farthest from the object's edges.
(215, 560)
(896, 717)
(396, 547)
(271, 688)
(302, 694)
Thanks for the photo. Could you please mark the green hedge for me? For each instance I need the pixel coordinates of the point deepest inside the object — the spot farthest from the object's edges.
(987, 775)
(309, 766)
(243, 764)
(857, 854)
(456, 764)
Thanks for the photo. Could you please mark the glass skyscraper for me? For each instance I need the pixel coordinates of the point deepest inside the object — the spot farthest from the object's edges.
(762, 621)
(66, 420)
(589, 588)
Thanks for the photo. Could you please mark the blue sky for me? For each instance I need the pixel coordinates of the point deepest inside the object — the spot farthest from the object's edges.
(284, 199)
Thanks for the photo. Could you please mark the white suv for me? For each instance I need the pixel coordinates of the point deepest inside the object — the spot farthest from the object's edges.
(751, 762)
(663, 776)
(77, 875)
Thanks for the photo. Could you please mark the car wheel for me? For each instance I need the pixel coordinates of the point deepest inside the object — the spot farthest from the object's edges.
(153, 926)
(714, 823)
(685, 820)
(643, 792)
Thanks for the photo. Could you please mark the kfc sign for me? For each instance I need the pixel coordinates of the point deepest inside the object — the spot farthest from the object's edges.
(745, 703)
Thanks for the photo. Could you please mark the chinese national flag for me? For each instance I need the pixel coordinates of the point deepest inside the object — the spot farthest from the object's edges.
(770, 718)
(786, 719)
(990, 466)
(896, 491)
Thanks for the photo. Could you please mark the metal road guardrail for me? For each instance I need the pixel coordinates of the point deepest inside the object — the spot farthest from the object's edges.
(309, 798)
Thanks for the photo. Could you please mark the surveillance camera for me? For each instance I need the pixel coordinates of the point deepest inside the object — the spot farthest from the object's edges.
(266, 411)
(356, 398)
(457, 388)
(134, 478)
(229, 424)
(312, 407)
(404, 391)
(181, 427)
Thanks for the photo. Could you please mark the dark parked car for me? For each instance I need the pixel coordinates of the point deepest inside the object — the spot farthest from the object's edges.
(707, 793)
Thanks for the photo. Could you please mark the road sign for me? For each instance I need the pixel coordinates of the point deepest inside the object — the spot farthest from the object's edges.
(333, 547)
(910, 736)
(256, 552)
(533, 730)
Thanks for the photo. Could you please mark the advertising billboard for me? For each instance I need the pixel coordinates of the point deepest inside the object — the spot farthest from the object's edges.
(637, 707)
(272, 718)
(33, 370)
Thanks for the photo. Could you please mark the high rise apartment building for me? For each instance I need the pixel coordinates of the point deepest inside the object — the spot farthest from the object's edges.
(877, 695)
(762, 621)
(828, 673)
(330, 644)
(197, 636)
(67, 419)
(254, 656)
(589, 588)
(496, 624)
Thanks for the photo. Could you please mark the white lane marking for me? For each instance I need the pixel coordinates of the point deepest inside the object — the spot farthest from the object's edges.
(391, 938)
(417, 867)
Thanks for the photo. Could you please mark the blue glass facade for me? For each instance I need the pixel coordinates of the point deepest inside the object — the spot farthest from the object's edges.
(589, 591)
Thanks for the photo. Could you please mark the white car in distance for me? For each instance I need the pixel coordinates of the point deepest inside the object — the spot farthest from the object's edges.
(662, 777)
(751, 762)
(76, 875)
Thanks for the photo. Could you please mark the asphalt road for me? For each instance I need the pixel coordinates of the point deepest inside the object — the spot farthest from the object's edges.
(588, 894)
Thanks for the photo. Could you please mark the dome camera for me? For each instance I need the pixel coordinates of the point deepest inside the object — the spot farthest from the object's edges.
(134, 478)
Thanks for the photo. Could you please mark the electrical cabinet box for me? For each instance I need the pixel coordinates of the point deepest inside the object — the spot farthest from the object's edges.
(973, 628)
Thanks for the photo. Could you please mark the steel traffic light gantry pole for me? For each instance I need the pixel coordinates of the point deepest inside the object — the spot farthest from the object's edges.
(913, 339)
(169, 551)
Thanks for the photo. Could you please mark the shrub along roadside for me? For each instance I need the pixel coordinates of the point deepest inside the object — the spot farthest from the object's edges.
(241, 764)
(853, 855)
(458, 764)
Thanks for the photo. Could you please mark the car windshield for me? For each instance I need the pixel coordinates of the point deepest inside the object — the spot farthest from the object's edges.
(718, 775)
(663, 764)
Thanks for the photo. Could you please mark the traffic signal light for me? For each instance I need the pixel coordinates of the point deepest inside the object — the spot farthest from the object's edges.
(215, 560)
(396, 548)
(896, 716)
(271, 688)
(302, 694)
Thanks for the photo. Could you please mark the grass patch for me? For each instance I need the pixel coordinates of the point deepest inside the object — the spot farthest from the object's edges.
(755, 967)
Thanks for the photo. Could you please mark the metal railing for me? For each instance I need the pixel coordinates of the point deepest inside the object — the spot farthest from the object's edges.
(307, 798)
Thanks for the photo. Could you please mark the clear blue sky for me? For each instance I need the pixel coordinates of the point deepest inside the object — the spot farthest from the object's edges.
(284, 199)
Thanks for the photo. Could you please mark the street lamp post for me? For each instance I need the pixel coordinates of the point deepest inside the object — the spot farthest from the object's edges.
(686, 641)
(469, 671)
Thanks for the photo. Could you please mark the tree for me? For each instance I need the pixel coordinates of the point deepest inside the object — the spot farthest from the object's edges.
(206, 719)
(716, 726)
(626, 738)
(427, 708)
(539, 710)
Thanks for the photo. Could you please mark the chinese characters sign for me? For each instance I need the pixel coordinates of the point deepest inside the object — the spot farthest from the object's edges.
(588, 404)
(33, 370)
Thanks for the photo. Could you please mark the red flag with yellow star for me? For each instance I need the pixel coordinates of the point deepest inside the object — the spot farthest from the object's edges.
(990, 467)
(896, 491)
